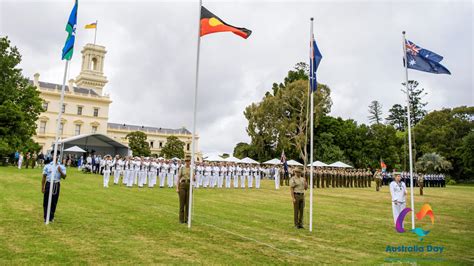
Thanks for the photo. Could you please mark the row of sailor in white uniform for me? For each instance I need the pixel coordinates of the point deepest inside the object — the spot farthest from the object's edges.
(148, 171)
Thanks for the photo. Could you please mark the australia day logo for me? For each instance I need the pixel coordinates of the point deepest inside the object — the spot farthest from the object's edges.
(425, 210)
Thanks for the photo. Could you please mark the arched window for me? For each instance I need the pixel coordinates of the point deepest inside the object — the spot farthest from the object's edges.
(94, 63)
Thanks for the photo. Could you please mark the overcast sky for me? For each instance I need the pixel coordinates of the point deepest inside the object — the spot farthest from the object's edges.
(151, 52)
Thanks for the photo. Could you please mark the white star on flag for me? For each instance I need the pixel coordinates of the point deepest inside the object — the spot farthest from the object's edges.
(412, 62)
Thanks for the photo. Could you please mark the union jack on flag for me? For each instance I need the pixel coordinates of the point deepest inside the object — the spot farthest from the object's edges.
(412, 48)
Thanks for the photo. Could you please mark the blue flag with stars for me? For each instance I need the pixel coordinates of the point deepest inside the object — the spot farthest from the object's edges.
(68, 48)
(314, 60)
(424, 60)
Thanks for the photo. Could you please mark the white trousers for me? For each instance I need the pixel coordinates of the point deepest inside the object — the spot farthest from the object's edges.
(106, 178)
(142, 178)
(277, 181)
(227, 181)
(236, 181)
(205, 180)
(117, 176)
(126, 174)
(135, 177)
(257, 181)
(130, 177)
(397, 209)
(242, 181)
(220, 181)
(151, 178)
(198, 181)
(214, 181)
(169, 177)
(250, 181)
(162, 179)
(175, 179)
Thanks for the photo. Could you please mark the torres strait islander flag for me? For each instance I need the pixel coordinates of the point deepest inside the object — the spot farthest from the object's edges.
(211, 23)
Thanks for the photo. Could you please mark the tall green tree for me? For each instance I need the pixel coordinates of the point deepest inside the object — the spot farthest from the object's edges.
(375, 112)
(397, 117)
(417, 106)
(279, 121)
(242, 150)
(443, 132)
(138, 144)
(20, 104)
(173, 148)
(466, 154)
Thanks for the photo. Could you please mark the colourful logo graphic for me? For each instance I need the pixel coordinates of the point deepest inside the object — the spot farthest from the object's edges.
(425, 210)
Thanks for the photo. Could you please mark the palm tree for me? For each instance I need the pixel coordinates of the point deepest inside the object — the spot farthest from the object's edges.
(433, 163)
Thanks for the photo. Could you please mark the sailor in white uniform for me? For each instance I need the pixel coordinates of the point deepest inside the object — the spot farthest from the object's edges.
(222, 173)
(245, 175)
(152, 173)
(118, 166)
(258, 175)
(228, 174)
(237, 175)
(174, 167)
(107, 169)
(136, 170)
(127, 171)
(276, 174)
(207, 175)
(398, 191)
(161, 172)
(199, 173)
(216, 172)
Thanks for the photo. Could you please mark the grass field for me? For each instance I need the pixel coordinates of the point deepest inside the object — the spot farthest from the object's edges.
(140, 226)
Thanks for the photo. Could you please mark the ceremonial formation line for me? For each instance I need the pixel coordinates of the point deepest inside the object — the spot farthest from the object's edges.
(151, 172)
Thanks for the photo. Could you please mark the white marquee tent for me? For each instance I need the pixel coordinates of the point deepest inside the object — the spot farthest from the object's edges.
(273, 161)
(248, 160)
(214, 158)
(294, 163)
(75, 149)
(318, 164)
(232, 159)
(340, 165)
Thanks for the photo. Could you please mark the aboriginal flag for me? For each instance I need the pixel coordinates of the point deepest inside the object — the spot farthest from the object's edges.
(211, 23)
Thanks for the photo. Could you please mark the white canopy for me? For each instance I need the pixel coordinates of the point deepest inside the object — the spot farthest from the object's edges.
(293, 163)
(214, 158)
(232, 159)
(318, 164)
(248, 160)
(273, 161)
(340, 164)
(75, 149)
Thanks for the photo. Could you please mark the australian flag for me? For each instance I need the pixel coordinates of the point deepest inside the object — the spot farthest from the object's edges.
(314, 60)
(424, 60)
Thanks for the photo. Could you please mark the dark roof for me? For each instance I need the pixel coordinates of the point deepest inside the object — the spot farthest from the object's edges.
(169, 131)
(58, 87)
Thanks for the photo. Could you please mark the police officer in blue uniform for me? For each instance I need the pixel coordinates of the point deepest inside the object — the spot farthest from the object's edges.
(52, 174)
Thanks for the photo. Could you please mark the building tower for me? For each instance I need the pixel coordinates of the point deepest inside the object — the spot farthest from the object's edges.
(92, 69)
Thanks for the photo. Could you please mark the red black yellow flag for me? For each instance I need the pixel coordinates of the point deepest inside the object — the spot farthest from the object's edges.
(211, 23)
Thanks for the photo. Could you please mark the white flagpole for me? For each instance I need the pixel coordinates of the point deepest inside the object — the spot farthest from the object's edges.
(409, 134)
(193, 141)
(95, 32)
(311, 137)
(55, 153)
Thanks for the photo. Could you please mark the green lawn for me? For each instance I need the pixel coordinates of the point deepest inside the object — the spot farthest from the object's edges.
(140, 226)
